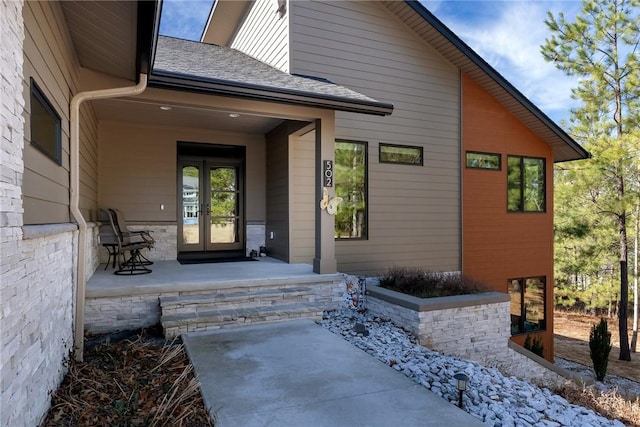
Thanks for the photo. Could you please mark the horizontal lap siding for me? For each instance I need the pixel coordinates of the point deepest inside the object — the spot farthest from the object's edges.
(303, 201)
(499, 245)
(264, 35)
(138, 169)
(50, 60)
(414, 211)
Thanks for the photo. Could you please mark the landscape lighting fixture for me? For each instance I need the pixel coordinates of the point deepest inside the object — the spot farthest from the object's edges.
(461, 385)
(165, 108)
(234, 115)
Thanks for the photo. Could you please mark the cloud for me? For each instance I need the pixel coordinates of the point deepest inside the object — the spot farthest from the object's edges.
(184, 19)
(508, 35)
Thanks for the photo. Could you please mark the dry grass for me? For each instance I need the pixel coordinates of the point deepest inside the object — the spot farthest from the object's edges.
(610, 404)
(428, 284)
(133, 383)
(572, 343)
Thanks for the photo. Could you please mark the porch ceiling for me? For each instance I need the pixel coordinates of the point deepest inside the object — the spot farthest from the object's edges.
(180, 116)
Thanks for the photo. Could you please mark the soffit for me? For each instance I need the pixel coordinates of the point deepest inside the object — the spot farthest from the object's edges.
(104, 35)
(149, 113)
(224, 20)
(435, 33)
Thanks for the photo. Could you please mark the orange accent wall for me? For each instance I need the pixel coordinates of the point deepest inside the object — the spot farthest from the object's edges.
(498, 245)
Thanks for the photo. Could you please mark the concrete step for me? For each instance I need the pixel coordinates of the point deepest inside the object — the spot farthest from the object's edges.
(179, 323)
(235, 299)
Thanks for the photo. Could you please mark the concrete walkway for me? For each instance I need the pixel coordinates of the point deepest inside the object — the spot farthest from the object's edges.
(299, 374)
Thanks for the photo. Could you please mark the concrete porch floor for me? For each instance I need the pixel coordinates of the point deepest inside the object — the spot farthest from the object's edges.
(171, 276)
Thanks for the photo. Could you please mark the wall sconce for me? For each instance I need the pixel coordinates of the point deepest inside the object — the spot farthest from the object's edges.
(461, 385)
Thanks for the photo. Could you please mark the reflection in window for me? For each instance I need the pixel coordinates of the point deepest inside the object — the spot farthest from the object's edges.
(525, 184)
(483, 160)
(402, 154)
(527, 305)
(45, 125)
(351, 185)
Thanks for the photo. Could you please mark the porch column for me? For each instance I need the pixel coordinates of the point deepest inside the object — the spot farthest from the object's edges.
(325, 257)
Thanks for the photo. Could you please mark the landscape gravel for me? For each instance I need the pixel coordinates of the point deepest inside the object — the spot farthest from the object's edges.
(491, 397)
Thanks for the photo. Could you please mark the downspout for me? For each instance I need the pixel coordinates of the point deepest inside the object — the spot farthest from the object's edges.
(74, 189)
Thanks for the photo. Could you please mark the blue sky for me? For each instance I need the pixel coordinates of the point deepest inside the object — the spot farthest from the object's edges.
(507, 34)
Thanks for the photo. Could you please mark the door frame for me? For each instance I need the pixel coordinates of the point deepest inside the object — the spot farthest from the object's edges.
(206, 156)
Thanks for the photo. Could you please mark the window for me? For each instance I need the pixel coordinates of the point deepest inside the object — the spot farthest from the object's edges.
(527, 305)
(402, 154)
(45, 125)
(525, 184)
(483, 160)
(351, 185)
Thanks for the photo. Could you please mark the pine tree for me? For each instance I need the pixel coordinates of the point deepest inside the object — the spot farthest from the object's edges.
(601, 48)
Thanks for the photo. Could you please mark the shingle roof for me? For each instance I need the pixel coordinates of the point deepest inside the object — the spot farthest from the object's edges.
(224, 70)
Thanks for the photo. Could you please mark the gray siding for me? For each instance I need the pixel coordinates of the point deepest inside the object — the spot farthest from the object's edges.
(303, 203)
(264, 35)
(277, 157)
(414, 212)
(138, 167)
(49, 58)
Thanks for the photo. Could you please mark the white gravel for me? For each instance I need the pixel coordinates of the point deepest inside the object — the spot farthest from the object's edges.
(624, 386)
(491, 397)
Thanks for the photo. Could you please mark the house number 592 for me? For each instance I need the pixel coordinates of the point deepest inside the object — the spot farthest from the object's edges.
(327, 174)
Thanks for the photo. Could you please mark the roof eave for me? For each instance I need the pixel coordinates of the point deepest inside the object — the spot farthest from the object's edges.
(176, 81)
(580, 152)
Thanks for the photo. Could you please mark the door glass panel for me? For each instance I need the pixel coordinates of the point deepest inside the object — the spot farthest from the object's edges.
(223, 205)
(190, 205)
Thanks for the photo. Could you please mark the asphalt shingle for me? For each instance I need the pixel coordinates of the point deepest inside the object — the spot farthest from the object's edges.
(206, 62)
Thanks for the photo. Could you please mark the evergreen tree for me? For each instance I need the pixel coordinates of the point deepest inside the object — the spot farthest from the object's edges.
(601, 48)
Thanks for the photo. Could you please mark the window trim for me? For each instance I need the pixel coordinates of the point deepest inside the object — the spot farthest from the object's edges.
(522, 184)
(391, 162)
(498, 155)
(366, 191)
(37, 94)
(523, 290)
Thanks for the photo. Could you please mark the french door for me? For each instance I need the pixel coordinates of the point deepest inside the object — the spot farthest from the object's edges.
(211, 205)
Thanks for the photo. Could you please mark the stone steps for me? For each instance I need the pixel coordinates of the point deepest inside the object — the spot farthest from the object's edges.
(243, 306)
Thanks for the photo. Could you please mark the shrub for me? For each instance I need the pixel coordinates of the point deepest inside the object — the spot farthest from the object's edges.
(534, 345)
(599, 348)
(427, 284)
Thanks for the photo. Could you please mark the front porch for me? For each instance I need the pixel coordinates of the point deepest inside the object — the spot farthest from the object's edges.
(195, 297)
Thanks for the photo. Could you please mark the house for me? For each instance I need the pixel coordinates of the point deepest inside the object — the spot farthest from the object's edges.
(439, 161)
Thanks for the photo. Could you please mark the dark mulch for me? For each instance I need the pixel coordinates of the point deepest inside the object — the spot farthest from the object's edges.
(141, 381)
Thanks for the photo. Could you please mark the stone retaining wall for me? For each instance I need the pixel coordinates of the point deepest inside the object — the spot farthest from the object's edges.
(475, 327)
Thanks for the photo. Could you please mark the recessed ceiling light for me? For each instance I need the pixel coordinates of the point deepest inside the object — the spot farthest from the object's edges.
(165, 108)
(234, 115)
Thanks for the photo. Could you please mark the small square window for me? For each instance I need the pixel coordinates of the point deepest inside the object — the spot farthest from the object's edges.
(45, 125)
(489, 161)
(402, 154)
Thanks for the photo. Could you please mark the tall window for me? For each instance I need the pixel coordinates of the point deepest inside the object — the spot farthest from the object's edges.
(527, 305)
(351, 185)
(45, 125)
(525, 184)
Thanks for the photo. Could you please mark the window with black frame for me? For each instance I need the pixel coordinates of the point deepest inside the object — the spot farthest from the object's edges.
(526, 190)
(45, 125)
(351, 185)
(528, 309)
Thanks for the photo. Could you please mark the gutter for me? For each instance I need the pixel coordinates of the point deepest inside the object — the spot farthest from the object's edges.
(74, 189)
(183, 82)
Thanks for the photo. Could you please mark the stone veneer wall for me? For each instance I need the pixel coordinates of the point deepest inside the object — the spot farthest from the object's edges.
(166, 237)
(37, 319)
(36, 263)
(476, 327)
